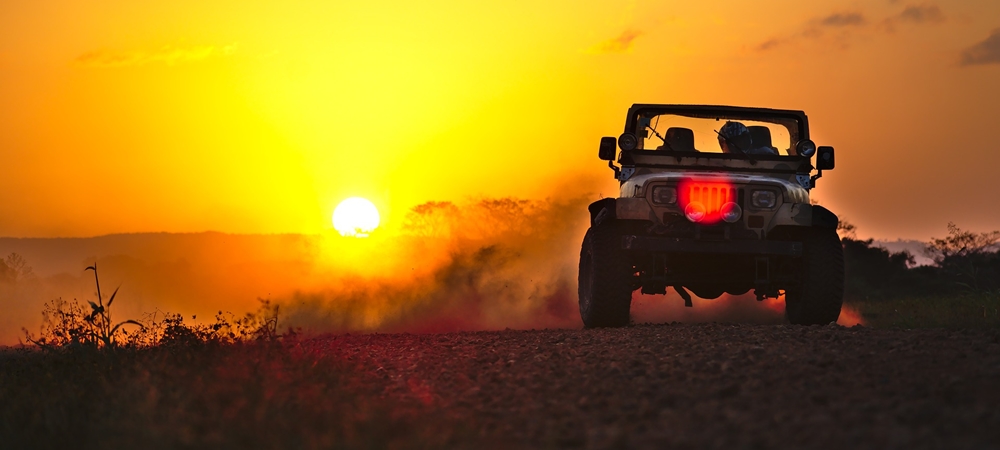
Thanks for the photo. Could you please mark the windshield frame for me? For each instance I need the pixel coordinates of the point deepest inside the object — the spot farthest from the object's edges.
(795, 121)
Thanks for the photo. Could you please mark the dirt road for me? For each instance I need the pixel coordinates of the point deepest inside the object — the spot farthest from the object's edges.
(694, 385)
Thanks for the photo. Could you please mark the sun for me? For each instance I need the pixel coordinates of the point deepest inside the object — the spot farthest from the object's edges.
(355, 217)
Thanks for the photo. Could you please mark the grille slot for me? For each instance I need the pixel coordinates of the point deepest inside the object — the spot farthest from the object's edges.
(712, 196)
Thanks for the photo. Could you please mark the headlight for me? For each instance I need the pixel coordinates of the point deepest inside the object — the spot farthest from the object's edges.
(695, 212)
(731, 212)
(805, 148)
(763, 199)
(628, 142)
(664, 195)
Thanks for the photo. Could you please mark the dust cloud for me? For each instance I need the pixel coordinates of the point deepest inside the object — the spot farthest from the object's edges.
(475, 265)
(486, 264)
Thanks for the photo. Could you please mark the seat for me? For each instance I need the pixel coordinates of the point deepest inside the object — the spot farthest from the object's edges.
(760, 135)
(679, 139)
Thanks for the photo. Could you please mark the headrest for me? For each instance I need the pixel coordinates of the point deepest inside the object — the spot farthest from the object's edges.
(760, 135)
(680, 139)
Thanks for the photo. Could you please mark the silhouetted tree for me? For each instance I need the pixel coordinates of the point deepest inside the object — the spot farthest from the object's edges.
(967, 259)
(874, 272)
(961, 243)
(846, 230)
(14, 268)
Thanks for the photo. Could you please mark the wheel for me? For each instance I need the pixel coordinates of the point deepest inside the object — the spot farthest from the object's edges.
(605, 283)
(819, 295)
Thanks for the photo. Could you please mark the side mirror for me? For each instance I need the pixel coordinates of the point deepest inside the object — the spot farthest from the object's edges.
(609, 146)
(824, 158)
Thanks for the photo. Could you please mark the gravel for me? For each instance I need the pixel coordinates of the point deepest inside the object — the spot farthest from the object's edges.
(692, 385)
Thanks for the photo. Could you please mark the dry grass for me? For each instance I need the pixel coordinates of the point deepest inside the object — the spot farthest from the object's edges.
(241, 395)
(234, 383)
(971, 310)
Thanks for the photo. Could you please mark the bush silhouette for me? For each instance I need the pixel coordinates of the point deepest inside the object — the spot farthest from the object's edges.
(965, 262)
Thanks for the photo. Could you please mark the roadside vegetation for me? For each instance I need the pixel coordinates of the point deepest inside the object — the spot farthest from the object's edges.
(203, 394)
(89, 381)
(960, 290)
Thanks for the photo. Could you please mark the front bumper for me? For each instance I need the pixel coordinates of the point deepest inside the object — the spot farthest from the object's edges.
(680, 245)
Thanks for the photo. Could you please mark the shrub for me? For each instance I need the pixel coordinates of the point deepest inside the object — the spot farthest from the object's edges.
(968, 260)
(72, 324)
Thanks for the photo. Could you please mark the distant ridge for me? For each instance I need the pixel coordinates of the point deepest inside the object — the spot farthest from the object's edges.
(50, 256)
(916, 248)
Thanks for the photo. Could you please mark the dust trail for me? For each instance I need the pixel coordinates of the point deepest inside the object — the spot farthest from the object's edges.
(485, 264)
(849, 317)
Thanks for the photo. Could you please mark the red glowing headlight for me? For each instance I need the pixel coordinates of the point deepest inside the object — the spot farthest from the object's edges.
(708, 202)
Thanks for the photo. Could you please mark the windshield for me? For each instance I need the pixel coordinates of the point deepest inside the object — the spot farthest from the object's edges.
(688, 134)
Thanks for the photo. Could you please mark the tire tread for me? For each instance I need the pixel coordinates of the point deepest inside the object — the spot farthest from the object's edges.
(605, 289)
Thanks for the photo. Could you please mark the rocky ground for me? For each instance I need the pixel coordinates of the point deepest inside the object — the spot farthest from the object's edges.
(646, 386)
(693, 385)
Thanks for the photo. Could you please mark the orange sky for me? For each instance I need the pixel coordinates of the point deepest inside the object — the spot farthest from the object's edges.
(258, 117)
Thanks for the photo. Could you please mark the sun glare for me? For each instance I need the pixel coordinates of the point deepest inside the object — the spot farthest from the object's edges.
(355, 217)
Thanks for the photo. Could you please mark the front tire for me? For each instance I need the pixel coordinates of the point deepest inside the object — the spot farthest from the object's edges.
(819, 295)
(605, 281)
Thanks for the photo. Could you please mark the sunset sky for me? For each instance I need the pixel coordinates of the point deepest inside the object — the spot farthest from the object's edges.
(259, 117)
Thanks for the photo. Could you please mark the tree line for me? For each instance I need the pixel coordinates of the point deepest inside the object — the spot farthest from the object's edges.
(964, 262)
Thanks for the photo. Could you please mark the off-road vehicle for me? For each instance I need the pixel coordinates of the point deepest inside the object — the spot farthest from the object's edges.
(702, 212)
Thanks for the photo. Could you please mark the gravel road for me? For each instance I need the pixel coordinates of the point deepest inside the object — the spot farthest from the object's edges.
(694, 385)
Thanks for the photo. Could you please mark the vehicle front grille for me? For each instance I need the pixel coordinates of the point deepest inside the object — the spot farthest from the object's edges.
(713, 196)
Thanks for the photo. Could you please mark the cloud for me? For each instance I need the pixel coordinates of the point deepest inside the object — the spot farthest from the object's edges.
(921, 14)
(985, 52)
(818, 27)
(769, 44)
(621, 44)
(169, 55)
(844, 25)
(843, 20)
(914, 15)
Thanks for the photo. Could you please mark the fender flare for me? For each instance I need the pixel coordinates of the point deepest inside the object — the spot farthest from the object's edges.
(824, 218)
(602, 210)
(791, 216)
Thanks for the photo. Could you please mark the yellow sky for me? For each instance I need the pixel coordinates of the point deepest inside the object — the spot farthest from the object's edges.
(258, 117)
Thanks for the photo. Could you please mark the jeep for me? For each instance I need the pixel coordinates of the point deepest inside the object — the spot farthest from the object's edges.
(702, 212)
